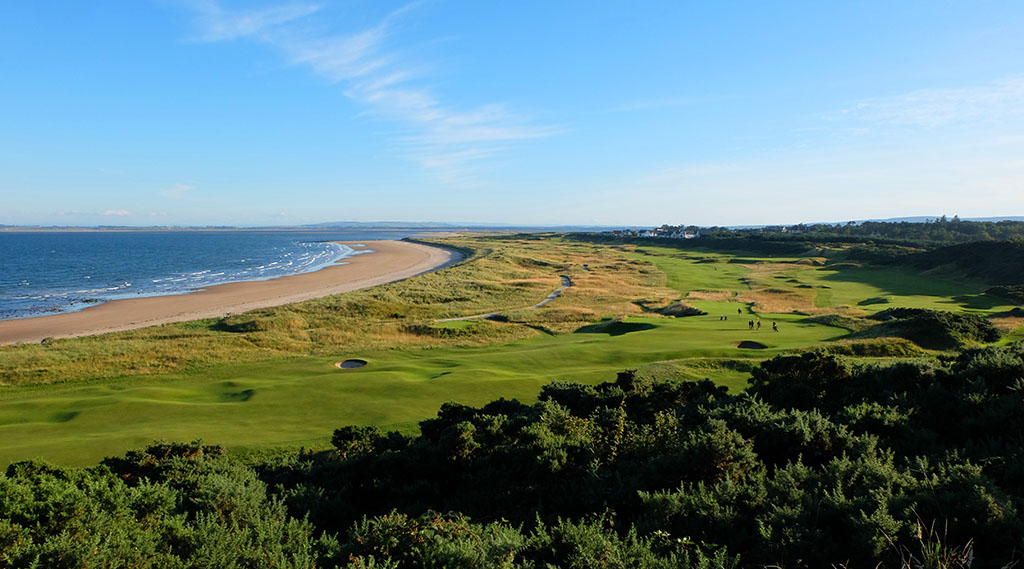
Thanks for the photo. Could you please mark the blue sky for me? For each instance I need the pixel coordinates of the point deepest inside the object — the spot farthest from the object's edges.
(196, 112)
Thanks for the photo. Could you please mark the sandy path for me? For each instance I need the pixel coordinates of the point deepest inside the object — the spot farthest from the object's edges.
(391, 261)
(566, 283)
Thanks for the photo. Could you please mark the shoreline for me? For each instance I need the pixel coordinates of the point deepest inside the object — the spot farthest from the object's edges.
(390, 261)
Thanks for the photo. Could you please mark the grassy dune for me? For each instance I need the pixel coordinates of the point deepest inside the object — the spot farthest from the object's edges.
(501, 275)
(267, 379)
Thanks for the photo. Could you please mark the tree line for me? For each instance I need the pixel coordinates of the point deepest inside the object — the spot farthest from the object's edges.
(941, 230)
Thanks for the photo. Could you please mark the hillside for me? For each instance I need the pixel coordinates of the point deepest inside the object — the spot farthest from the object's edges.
(820, 463)
(998, 262)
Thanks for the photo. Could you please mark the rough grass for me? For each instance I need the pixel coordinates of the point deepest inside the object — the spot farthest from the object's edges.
(679, 310)
(267, 379)
(500, 274)
(293, 401)
(1007, 323)
(851, 323)
(876, 348)
(714, 295)
(932, 329)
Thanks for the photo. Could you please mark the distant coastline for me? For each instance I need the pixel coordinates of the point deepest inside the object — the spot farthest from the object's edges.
(52, 272)
(390, 261)
(446, 227)
(101, 229)
(384, 226)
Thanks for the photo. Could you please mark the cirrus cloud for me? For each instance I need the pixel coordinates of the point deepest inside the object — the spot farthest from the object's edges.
(440, 137)
(995, 101)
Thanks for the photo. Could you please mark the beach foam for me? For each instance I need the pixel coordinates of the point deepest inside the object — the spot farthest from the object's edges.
(66, 277)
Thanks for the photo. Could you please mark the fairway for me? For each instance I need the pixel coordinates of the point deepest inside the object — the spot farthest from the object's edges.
(300, 401)
(807, 284)
(296, 400)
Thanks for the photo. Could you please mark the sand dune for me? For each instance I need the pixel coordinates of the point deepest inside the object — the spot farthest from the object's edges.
(391, 261)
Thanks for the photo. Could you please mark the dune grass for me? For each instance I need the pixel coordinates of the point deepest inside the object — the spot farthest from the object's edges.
(267, 379)
(502, 275)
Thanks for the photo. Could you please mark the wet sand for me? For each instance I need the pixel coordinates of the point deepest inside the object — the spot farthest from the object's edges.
(391, 261)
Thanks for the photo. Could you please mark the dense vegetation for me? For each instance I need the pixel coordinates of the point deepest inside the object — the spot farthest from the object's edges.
(668, 310)
(942, 230)
(989, 251)
(821, 462)
(998, 262)
(1014, 293)
(893, 455)
(931, 329)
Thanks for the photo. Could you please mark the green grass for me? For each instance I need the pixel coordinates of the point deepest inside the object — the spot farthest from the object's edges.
(685, 271)
(851, 286)
(838, 285)
(1014, 336)
(271, 383)
(300, 401)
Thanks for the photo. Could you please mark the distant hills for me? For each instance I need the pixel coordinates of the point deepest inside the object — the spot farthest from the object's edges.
(928, 218)
(455, 226)
(446, 226)
(382, 225)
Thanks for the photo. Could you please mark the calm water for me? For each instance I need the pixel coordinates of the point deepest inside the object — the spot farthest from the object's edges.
(50, 272)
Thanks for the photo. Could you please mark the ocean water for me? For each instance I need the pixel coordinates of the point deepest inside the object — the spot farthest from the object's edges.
(51, 272)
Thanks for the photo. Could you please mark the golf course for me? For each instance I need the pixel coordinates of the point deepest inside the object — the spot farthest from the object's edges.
(267, 381)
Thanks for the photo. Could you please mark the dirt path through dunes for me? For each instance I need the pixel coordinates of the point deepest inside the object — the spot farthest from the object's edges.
(566, 283)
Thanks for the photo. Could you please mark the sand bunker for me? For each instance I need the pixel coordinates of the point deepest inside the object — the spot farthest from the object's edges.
(750, 345)
(349, 364)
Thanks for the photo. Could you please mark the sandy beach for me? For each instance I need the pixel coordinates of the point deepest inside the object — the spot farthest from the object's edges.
(391, 261)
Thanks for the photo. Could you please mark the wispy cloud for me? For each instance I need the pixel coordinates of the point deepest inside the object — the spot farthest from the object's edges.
(176, 192)
(117, 212)
(995, 101)
(440, 137)
(217, 24)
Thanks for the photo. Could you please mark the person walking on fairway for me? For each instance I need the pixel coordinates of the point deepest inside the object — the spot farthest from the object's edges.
(750, 324)
(758, 324)
(775, 326)
(739, 311)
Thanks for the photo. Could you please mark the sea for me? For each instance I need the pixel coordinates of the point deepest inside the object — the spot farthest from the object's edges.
(49, 272)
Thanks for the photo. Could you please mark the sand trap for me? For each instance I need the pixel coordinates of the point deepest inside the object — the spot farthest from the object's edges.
(349, 364)
(751, 345)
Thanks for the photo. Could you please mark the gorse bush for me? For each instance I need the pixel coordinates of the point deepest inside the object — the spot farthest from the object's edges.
(169, 506)
(932, 329)
(1014, 293)
(820, 463)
